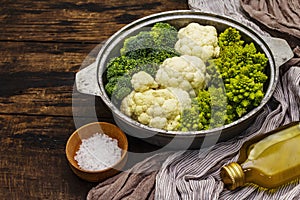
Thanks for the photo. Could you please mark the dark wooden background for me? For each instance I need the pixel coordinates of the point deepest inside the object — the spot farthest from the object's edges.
(43, 44)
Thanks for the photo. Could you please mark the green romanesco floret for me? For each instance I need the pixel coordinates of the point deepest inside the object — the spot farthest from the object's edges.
(229, 37)
(208, 110)
(242, 69)
(235, 86)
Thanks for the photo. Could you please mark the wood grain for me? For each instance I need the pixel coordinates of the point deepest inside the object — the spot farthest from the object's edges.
(39, 79)
(33, 164)
(32, 159)
(74, 21)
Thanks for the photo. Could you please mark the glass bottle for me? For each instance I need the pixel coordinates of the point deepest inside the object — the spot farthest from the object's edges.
(269, 161)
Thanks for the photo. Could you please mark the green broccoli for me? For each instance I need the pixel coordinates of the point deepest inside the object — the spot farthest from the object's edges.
(164, 36)
(138, 46)
(161, 37)
(142, 52)
(118, 87)
(125, 66)
(119, 66)
(159, 55)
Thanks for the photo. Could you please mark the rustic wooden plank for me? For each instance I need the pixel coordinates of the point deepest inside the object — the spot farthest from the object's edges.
(74, 21)
(39, 78)
(32, 158)
(42, 57)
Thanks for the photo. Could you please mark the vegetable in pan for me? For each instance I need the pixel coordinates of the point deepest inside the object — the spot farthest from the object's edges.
(142, 52)
(187, 80)
(240, 89)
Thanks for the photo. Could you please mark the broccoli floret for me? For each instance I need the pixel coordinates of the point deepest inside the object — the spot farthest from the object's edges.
(118, 77)
(142, 52)
(118, 87)
(119, 66)
(138, 46)
(159, 55)
(164, 36)
(150, 68)
(161, 37)
(110, 86)
(125, 66)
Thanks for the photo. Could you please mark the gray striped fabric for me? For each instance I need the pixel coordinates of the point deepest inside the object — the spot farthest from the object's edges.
(195, 175)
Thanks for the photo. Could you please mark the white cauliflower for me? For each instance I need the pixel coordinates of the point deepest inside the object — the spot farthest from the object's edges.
(160, 108)
(185, 72)
(198, 40)
(142, 81)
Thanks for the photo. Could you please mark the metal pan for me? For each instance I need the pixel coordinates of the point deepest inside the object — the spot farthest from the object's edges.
(90, 79)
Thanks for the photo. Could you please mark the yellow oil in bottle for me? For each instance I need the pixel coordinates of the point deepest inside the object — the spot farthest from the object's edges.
(269, 161)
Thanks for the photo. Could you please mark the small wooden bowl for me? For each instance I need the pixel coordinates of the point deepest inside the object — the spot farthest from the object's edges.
(87, 131)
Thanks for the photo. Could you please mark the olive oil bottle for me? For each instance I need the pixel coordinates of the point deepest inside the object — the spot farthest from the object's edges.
(268, 161)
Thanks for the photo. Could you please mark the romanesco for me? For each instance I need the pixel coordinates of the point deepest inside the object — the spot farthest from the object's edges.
(235, 86)
(208, 110)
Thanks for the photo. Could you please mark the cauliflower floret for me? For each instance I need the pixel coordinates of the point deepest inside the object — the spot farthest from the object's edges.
(198, 40)
(168, 107)
(185, 72)
(160, 108)
(158, 122)
(143, 81)
(183, 98)
(128, 104)
(155, 110)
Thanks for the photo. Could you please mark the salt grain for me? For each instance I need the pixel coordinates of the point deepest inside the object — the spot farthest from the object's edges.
(98, 152)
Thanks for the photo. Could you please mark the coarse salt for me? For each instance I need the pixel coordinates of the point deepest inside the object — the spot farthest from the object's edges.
(98, 152)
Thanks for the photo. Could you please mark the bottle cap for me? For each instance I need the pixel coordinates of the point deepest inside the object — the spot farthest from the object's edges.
(232, 175)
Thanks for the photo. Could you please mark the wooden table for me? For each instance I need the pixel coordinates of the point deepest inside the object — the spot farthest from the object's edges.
(43, 45)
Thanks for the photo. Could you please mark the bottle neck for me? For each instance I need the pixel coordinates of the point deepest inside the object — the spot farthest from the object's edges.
(233, 175)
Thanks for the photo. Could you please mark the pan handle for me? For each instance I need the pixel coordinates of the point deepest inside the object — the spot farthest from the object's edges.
(280, 49)
(86, 80)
